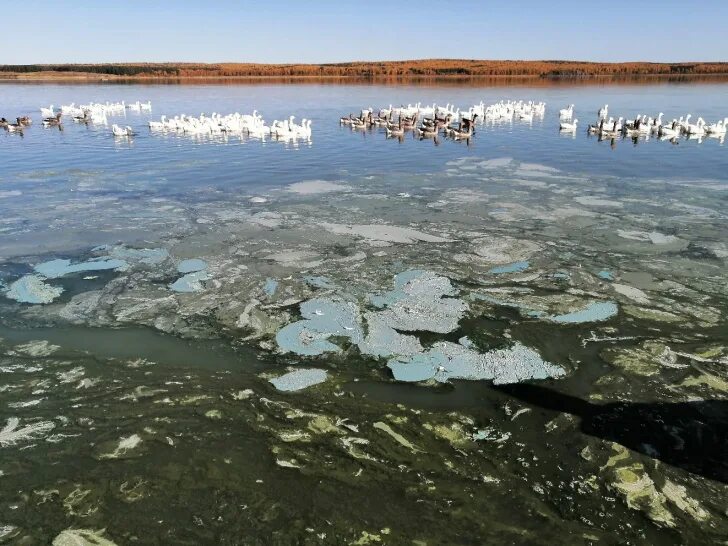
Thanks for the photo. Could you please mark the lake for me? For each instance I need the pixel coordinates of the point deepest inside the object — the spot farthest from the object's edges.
(355, 339)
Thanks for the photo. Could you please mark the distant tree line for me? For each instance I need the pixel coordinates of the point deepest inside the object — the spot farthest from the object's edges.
(112, 69)
(394, 69)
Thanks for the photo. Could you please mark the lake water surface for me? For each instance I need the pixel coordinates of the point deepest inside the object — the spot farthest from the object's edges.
(524, 336)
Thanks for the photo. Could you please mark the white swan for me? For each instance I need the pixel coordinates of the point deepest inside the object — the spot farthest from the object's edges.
(567, 113)
(48, 112)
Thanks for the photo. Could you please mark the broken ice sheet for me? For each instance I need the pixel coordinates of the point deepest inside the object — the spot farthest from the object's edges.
(445, 361)
(299, 379)
(33, 289)
(55, 269)
(594, 312)
(323, 318)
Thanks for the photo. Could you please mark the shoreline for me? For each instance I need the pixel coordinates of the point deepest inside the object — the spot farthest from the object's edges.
(440, 69)
(86, 77)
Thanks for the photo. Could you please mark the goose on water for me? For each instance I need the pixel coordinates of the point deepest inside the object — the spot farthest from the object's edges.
(568, 126)
(53, 121)
(396, 130)
(670, 131)
(717, 128)
(695, 128)
(121, 131)
(13, 127)
(566, 113)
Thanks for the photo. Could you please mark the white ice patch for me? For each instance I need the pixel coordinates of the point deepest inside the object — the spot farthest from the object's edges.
(33, 289)
(632, 293)
(380, 233)
(299, 379)
(592, 201)
(311, 187)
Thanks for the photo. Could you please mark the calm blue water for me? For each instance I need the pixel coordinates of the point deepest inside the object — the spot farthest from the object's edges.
(47, 164)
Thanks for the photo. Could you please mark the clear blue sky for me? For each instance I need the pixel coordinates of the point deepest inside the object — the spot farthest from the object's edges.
(52, 31)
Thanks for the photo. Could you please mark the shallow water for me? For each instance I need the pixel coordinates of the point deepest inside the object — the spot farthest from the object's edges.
(605, 265)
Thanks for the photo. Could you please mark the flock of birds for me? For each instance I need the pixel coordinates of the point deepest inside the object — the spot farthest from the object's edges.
(644, 126)
(430, 121)
(95, 113)
(250, 124)
(423, 121)
(99, 113)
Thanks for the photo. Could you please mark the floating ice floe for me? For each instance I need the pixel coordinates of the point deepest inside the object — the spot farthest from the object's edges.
(504, 250)
(191, 266)
(147, 256)
(446, 360)
(311, 187)
(383, 234)
(299, 379)
(55, 269)
(195, 272)
(270, 287)
(33, 289)
(419, 303)
(323, 318)
(593, 201)
(319, 282)
(594, 312)
(654, 237)
(515, 267)
(382, 340)
(606, 275)
(635, 294)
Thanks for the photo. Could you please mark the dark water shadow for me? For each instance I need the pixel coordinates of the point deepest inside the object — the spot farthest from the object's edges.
(689, 435)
